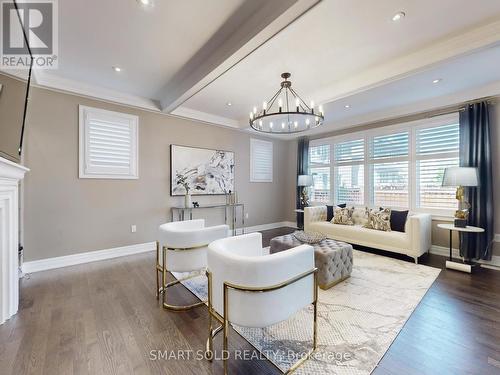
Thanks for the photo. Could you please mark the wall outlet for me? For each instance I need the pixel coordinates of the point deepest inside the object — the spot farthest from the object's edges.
(246, 215)
(133, 228)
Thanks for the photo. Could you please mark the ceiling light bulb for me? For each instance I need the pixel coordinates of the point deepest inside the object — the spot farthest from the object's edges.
(282, 125)
(117, 69)
(280, 102)
(312, 104)
(145, 2)
(437, 80)
(320, 109)
(307, 121)
(254, 109)
(347, 106)
(260, 123)
(229, 104)
(295, 124)
(271, 124)
(251, 115)
(264, 106)
(398, 16)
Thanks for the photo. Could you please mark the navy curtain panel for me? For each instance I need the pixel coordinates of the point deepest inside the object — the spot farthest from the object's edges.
(475, 151)
(302, 168)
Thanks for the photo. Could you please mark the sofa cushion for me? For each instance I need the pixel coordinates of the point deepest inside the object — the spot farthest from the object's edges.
(360, 215)
(379, 220)
(330, 209)
(398, 220)
(393, 241)
(343, 216)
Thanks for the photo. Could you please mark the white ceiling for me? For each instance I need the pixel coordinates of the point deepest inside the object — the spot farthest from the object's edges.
(335, 40)
(150, 45)
(193, 56)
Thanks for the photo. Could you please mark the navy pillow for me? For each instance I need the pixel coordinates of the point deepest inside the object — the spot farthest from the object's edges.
(330, 210)
(398, 220)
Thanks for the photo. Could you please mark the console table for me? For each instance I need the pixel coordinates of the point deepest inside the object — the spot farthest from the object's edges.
(233, 209)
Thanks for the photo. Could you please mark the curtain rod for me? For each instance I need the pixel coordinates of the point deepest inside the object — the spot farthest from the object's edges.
(461, 107)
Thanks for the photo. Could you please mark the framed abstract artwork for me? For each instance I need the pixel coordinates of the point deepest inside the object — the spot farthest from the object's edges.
(204, 171)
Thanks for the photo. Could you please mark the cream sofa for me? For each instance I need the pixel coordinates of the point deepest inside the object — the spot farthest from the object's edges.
(415, 241)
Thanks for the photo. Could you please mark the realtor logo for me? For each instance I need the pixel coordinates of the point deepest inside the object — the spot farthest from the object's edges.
(33, 24)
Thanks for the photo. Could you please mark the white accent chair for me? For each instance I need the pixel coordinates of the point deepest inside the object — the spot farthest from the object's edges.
(248, 288)
(184, 249)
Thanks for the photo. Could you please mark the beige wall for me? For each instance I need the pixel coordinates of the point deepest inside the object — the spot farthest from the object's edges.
(67, 215)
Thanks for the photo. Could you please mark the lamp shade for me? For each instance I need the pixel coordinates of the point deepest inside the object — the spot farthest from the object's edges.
(460, 176)
(304, 180)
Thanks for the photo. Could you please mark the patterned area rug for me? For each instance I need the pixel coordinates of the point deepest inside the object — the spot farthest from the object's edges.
(358, 319)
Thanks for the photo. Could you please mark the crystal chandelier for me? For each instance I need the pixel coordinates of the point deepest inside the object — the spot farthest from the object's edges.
(286, 112)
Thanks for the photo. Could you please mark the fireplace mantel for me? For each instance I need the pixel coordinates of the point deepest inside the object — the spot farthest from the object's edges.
(10, 175)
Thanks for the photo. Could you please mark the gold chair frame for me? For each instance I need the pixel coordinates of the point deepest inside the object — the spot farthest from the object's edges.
(223, 320)
(161, 277)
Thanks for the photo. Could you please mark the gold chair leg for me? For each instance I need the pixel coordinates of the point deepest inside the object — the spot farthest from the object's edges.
(225, 331)
(165, 286)
(158, 269)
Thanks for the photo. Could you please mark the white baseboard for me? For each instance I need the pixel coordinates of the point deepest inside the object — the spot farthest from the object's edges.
(494, 263)
(91, 256)
(258, 228)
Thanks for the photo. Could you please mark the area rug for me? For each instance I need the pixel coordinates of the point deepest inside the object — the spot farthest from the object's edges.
(358, 319)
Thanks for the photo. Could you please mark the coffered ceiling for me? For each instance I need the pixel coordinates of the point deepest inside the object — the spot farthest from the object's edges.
(190, 58)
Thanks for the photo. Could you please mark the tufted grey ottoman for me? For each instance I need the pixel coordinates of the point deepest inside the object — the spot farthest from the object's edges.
(332, 258)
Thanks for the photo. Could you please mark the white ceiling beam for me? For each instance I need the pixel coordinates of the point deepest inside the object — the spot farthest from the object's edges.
(425, 58)
(255, 22)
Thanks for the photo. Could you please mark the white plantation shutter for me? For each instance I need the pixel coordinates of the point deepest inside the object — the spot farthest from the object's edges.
(350, 151)
(437, 148)
(261, 161)
(108, 144)
(349, 185)
(389, 178)
(319, 168)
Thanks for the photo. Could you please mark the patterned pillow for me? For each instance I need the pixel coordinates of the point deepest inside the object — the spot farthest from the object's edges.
(343, 216)
(379, 220)
(360, 215)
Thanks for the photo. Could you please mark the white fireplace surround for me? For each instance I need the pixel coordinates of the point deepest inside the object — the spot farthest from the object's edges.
(10, 175)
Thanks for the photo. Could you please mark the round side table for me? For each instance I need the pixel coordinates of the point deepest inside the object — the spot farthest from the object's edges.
(459, 266)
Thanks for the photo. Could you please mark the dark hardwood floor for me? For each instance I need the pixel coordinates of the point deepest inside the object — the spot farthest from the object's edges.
(103, 318)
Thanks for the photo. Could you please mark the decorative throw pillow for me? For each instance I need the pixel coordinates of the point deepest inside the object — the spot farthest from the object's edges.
(398, 220)
(343, 216)
(379, 220)
(309, 237)
(360, 215)
(329, 211)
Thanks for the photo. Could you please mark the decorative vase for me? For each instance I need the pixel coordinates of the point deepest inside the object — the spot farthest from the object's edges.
(187, 200)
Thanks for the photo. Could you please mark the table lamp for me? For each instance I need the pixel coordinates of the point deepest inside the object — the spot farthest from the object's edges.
(304, 180)
(461, 177)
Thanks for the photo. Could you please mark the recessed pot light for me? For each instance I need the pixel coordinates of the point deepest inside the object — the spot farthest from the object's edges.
(229, 104)
(347, 106)
(398, 16)
(117, 69)
(145, 3)
(437, 80)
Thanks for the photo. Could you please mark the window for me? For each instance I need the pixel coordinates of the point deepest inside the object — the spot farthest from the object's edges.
(319, 168)
(401, 166)
(108, 144)
(437, 149)
(261, 161)
(349, 172)
(389, 176)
